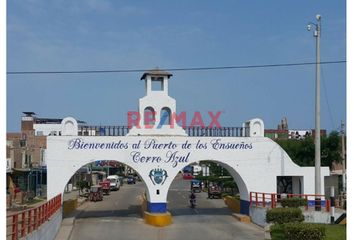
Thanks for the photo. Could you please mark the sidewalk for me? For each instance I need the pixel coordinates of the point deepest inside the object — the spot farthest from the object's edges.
(71, 195)
(67, 223)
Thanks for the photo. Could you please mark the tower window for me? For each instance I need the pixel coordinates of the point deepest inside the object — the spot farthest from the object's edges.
(157, 83)
(149, 116)
(165, 118)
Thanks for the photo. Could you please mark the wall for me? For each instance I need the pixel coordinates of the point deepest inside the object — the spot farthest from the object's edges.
(69, 206)
(297, 185)
(13, 149)
(258, 216)
(329, 182)
(233, 203)
(47, 129)
(319, 217)
(48, 230)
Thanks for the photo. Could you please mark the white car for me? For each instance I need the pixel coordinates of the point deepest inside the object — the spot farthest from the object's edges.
(114, 182)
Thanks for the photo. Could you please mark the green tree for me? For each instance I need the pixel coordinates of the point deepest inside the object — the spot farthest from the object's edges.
(331, 149)
(302, 152)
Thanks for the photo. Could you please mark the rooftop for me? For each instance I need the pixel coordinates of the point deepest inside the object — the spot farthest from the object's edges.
(156, 72)
(52, 121)
(29, 114)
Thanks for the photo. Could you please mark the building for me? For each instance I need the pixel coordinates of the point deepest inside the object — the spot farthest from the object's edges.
(25, 153)
(283, 132)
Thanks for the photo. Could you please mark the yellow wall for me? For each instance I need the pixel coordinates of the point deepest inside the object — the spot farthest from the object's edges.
(69, 206)
(232, 203)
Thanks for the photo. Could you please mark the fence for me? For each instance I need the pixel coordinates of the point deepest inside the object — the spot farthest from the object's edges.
(103, 130)
(272, 200)
(191, 131)
(20, 224)
(217, 132)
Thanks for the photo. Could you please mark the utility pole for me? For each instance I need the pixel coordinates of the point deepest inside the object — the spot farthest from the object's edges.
(317, 35)
(343, 156)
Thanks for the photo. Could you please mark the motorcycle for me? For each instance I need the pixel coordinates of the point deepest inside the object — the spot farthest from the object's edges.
(192, 200)
(193, 203)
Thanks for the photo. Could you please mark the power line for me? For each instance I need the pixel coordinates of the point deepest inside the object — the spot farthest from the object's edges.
(174, 69)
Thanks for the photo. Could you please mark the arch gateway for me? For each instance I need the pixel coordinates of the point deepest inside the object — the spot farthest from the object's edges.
(158, 149)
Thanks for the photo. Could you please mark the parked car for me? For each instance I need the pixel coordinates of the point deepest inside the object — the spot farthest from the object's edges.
(114, 182)
(131, 179)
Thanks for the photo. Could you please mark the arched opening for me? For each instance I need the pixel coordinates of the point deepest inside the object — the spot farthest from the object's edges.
(149, 117)
(104, 189)
(211, 181)
(165, 116)
(213, 217)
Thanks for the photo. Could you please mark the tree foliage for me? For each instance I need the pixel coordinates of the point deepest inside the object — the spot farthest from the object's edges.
(302, 152)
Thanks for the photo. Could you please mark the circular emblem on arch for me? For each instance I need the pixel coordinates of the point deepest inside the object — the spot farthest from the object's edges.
(158, 176)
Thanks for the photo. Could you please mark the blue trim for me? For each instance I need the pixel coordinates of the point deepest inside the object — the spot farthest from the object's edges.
(311, 203)
(156, 207)
(244, 207)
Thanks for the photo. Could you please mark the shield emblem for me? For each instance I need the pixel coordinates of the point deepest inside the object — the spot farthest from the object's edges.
(158, 176)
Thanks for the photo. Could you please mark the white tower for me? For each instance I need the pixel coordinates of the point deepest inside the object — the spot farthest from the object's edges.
(157, 110)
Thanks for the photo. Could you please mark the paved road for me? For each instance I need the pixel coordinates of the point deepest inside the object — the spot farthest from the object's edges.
(118, 217)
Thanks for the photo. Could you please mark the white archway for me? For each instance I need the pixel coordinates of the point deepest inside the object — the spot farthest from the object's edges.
(254, 162)
(158, 152)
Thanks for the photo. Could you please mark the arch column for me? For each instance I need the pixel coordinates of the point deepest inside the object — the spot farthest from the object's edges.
(244, 193)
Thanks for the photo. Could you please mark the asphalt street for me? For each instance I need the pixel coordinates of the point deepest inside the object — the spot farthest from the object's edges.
(118, 216)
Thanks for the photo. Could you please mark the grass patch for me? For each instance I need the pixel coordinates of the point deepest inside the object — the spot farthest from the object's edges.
(333, 232)
(34, 201)
(336, 232)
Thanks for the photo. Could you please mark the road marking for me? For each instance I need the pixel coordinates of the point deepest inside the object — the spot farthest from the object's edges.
(160, 234)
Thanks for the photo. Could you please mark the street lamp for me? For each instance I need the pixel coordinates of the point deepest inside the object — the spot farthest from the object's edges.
(317, 35)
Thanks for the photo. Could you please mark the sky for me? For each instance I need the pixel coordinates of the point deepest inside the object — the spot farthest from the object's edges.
(65, 35)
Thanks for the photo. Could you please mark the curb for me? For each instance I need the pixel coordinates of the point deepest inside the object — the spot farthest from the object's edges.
(242, 218)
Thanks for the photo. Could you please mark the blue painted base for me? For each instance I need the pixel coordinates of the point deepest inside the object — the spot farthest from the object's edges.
(244, 207)
(156, 207)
